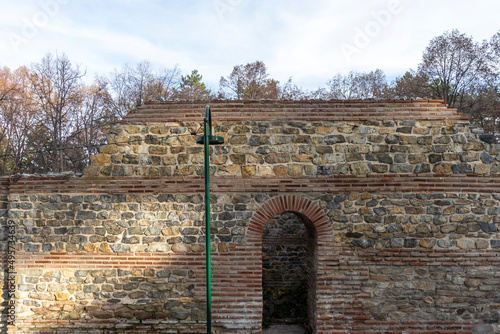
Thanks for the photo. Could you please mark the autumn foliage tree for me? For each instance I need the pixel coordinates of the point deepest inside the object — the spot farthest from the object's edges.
(50, 120)
(17, 117)
(250, 81)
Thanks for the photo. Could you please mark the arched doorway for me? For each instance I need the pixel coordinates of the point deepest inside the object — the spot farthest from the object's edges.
(310, 212)
(289, 258)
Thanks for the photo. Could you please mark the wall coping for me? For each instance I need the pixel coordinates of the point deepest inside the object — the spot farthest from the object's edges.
(307, 110)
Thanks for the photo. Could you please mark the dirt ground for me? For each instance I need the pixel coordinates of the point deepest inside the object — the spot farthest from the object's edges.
(284, 329)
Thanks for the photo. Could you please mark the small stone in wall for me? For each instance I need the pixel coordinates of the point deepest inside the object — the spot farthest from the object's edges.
(495, 244)
(466, 244)
(179, 248)
(481, 169)
(443, 168)
(427, 243)
(488, 138)
(392, 139)
(486, 158)
(358, 168)
(482, 244)
(248, 171)
(179, 313)
(488, 227)
(363, 243)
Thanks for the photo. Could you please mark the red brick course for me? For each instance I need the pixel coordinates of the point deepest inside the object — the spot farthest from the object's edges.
(219, 184)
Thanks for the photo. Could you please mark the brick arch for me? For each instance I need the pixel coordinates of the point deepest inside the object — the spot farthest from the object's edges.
(297, 204)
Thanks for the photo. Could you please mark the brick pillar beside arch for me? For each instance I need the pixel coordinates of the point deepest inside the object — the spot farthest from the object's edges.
(238, 274)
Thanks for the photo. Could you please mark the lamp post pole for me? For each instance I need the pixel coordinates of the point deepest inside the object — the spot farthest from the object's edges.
(206, 140)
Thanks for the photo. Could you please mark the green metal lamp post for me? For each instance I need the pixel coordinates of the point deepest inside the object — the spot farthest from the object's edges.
(206, 140)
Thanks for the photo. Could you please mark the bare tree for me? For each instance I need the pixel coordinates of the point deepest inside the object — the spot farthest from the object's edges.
(290, 91)
(92, 121)
(412, 85)
(138, 79)
(482, 103)
(131, 86)
(495, 53)
(116, 84)
(128, 86)
(454, 63)
(465, 74)
(357, 85)
(57, 85)
(165, 83)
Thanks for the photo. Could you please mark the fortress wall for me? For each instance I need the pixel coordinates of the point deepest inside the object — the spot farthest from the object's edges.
(402, 197)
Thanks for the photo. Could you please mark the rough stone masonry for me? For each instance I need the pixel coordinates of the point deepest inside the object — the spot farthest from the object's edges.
(398, 201)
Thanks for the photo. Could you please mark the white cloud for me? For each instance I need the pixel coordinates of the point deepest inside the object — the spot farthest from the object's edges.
(294, 38)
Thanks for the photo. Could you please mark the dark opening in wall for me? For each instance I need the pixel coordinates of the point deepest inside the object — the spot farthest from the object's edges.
(289, 270)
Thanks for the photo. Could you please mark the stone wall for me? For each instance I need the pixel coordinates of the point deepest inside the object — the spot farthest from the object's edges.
(399, 199)
(284, 251)
(299, 148)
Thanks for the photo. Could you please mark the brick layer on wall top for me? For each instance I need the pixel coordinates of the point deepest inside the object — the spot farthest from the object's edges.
(333, 110)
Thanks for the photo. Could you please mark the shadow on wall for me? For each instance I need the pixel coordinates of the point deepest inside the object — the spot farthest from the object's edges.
(117, 300)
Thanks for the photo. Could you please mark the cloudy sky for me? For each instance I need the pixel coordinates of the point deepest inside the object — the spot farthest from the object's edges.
(309, 41)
